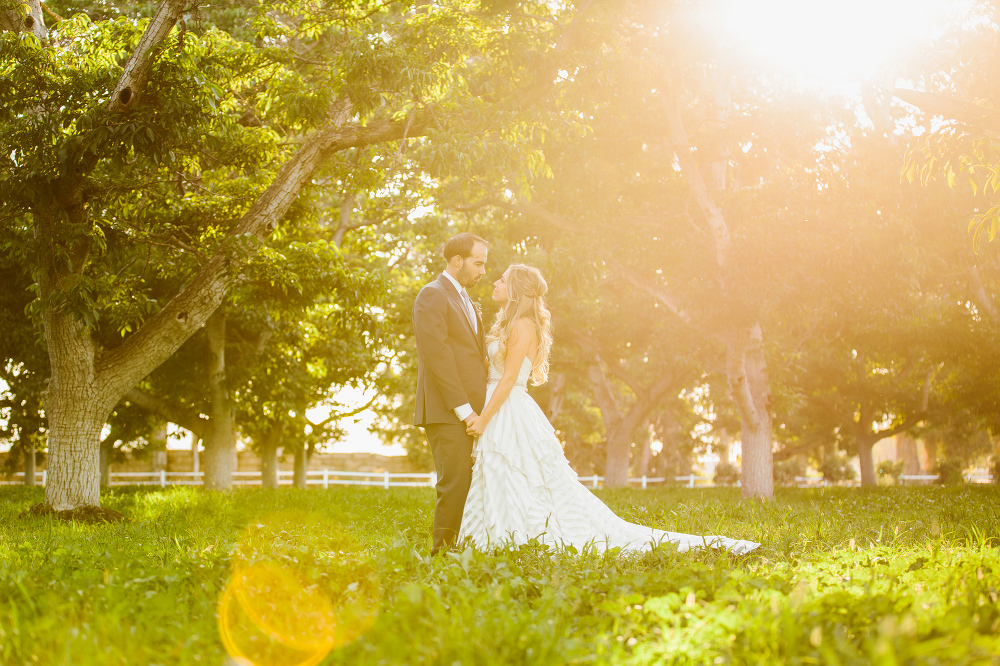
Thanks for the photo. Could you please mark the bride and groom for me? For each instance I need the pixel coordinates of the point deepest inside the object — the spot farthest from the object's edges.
(502, 474)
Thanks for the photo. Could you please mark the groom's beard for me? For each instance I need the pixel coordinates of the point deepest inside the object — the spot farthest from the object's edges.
(468, 281)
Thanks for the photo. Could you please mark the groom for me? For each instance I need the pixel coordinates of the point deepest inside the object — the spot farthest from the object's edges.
(451, 376)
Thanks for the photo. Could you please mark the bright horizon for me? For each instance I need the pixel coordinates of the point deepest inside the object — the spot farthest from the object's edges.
(826, 42)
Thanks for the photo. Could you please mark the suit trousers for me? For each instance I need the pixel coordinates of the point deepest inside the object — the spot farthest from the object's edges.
(451, 447)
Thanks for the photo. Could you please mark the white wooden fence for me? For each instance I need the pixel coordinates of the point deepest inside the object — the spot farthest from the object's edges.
(327, 478)
(819, 481)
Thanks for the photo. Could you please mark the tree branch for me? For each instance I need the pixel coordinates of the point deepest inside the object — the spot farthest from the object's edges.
(951, 108)
(736, 371)
(13, 21)
(133, 79)
(630, 275)
(981, 296)
(711, 211)
(645, 404)
(604, 395)
(898, 428)
(340, 415)
(185, 418)
(160, 336)
(547, 69)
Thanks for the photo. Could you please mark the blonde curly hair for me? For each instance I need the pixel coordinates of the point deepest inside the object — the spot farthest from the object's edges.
(526, 289)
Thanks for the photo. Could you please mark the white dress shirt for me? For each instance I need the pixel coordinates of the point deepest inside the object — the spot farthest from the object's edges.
(464, 411)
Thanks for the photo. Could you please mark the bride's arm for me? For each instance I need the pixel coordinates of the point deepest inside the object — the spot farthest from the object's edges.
(517, 349)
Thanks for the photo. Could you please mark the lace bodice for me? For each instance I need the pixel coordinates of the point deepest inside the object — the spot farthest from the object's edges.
(495, 373)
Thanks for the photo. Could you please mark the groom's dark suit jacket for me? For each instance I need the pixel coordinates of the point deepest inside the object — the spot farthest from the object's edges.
(450, 367)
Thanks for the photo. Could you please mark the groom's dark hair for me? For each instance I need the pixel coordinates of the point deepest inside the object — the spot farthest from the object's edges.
(461, 245)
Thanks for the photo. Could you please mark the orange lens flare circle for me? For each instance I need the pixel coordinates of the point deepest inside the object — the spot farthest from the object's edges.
(300, 587)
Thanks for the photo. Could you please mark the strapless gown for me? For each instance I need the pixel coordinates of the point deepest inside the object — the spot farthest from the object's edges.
(523, 488)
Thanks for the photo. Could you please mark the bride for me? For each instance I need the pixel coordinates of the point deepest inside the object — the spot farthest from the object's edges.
(522, 485)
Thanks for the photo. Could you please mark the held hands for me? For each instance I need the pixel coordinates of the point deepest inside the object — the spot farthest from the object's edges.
(475, 424)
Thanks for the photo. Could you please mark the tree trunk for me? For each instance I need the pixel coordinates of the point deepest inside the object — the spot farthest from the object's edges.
(669, 456)
(621, 427)
(158, 448)
(220, 444)
(268, 466)
(906, 450)
(29, 464)
(269, 455)
(724, 444)
(865, 444)
(219, 467)
(646, 451)
(77, 406)
(107, 446)
(557, 393)
(617, 462)
(195, 443)
(749, 383)
(746, 365)
(74, 475)
(619, 441)
(931, 448)
(33, 22)
(301, 467)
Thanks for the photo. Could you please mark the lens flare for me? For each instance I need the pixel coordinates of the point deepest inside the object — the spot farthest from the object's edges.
(300, 587)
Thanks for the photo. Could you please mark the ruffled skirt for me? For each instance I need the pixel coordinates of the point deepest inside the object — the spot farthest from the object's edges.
(523, 488)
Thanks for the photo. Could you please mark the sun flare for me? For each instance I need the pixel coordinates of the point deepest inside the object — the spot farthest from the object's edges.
(834, 41)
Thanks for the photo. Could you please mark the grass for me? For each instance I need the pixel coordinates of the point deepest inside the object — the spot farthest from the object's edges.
(844, 576)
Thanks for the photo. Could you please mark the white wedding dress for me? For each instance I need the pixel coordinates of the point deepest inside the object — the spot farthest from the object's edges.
(524, 488)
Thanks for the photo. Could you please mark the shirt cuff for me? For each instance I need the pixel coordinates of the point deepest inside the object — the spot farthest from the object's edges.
(463, 411)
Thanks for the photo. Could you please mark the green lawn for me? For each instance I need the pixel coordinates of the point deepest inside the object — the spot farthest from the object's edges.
(897, 575)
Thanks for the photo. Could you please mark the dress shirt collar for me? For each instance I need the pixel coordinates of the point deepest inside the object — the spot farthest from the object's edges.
(461, 289)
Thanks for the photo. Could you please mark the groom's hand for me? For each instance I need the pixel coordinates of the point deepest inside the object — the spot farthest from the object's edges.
(476, 427)
(470, 419)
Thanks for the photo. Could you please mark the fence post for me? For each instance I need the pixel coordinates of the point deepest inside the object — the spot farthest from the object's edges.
(593, 482)
(385, 480)
(163, 478)
(326, 479)
(691, 481)
(643, 481)
(43, 477)
(434, 479)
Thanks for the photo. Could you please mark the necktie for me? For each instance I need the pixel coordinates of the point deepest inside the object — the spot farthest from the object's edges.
(469, 310)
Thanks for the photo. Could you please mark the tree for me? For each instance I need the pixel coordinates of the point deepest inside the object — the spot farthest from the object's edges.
(881, 326)
(660, 229)
(296, 322)
(961, 86)
(23, 368)
(98, 163)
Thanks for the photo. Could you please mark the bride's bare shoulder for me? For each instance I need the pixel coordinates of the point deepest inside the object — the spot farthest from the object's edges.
(524, 327)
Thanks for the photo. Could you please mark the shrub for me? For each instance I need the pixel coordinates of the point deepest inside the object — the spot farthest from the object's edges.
(726, 474)
(836, 468)
(890, 470)
(785, 471)
(949, 471)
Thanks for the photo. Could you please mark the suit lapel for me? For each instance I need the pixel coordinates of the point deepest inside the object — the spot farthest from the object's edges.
(482, 334)
(456, 299)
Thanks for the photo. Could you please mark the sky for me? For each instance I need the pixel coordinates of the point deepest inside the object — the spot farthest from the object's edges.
(358, 439)
(835, 42)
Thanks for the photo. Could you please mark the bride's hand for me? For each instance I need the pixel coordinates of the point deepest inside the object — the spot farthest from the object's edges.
(476, 426)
